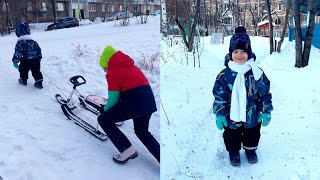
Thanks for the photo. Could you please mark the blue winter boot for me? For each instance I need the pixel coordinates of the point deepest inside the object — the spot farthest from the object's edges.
(234, 158)
(251, 156)
(38, 84)
(23, 82)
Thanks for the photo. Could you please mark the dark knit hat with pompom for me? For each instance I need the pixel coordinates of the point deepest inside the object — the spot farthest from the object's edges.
(240, 29)
(240, 41)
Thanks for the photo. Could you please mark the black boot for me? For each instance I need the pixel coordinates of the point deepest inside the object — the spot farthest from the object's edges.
(23, 82)
(38, 84)
(251, 156)
(234, 158)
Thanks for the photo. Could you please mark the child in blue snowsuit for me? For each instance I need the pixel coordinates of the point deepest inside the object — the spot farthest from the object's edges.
(242, 101)
(28, 54)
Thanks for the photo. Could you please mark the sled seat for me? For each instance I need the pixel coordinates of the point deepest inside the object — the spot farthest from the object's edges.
(96, 101)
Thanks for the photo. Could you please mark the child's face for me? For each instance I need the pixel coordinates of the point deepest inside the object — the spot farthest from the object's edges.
(239, 56)
(105, 70)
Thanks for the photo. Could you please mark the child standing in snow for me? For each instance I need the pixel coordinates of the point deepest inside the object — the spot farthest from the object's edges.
(129, 97)
(242, 101)
(28, 54)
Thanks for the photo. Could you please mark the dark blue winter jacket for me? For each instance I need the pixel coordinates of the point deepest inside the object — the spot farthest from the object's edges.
(258, 97)
(26, 48)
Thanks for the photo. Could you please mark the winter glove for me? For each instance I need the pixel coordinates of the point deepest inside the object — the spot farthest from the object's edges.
(113, 99)
(265, 118)
(105, 108)
(221, 122)
(16, 65)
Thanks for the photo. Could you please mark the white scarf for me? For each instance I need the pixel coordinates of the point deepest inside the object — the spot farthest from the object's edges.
(25, 37)
(239, 92)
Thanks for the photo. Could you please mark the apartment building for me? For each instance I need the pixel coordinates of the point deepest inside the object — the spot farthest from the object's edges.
(254, 16)
(37, 11)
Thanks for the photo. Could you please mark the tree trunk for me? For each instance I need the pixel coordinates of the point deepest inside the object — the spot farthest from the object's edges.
(194, 25)
(270, 26)
(286, 21)
(297, 32)
(181, 28)
(309, 33)
(7, 17)
(217, 17)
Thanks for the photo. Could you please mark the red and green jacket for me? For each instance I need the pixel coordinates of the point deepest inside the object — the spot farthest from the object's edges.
(136, 95)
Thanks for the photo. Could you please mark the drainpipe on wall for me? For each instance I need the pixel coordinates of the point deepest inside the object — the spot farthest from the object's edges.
(54, 9)
(79, 11)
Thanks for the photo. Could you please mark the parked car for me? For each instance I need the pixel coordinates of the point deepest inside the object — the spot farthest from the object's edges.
(63, 23)
(122, 15)
(156, 12)
(107, 19)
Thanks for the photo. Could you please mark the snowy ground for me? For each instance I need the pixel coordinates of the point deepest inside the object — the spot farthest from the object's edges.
(193, 147)
(37, 141)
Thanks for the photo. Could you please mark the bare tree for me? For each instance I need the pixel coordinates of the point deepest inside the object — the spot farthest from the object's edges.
(189, 24)
(270, 26)
(286, 21)
(255, 14)
(6, 6)
(309, 33)
(297, 32)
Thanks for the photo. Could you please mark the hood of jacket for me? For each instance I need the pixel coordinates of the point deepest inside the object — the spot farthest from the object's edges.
(120, 60)
(22, 29)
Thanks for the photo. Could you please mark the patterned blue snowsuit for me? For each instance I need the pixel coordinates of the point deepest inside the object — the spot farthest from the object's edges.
(28, 53)
(258, 101)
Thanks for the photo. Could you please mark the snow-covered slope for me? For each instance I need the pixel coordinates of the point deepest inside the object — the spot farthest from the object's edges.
(37, 141)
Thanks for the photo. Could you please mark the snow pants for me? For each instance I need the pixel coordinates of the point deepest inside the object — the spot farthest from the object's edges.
(249, 137)
(115, 114)
(34, 66)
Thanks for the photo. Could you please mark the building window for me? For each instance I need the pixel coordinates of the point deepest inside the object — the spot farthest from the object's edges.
(120, 8)
(241, 10)
(43, 6)
(279, 7)
(317, 20)
(103, 8)
(277, 22)
(5, 6)
(228, 21)
(92, 7)
(29, 6)
(60, 7)
(111, 8)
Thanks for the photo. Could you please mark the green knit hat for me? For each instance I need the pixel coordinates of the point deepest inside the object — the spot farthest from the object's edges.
(107, 53)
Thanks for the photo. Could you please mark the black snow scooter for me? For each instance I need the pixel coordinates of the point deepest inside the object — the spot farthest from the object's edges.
(91, 102)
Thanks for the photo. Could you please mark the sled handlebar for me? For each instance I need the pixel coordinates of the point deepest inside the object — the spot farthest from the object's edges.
(75, 80)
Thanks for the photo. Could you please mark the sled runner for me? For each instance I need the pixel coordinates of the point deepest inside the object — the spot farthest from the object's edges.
(92, 102)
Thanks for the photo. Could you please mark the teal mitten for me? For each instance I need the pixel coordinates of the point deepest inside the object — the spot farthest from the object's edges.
(105, 108)
(16, 65)
(265, 118)
(221, 122)
(113, 99)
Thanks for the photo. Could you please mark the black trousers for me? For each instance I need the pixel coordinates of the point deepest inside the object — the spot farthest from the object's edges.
(249, 137)
(34, 66)
(107, 122)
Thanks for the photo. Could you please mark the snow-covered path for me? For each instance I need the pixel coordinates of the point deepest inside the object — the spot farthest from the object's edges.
(37, 140)
(193, 146)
